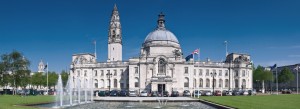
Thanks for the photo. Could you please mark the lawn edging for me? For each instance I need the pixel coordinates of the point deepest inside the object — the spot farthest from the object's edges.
(216, 105)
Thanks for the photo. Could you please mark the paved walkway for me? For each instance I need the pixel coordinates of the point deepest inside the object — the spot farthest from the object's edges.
(146, 99)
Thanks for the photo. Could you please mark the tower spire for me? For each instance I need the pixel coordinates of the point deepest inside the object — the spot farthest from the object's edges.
(161, 21)
(115, 37)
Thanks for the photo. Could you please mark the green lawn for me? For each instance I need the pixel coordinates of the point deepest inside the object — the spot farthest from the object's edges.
(9, 101)
(258, 102)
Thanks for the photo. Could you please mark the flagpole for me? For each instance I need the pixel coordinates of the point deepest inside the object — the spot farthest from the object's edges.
(47, 80)
(276, 80)
(297, 77)
(95, 43)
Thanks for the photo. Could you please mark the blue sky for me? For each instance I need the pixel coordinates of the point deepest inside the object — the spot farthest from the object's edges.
(53, 30)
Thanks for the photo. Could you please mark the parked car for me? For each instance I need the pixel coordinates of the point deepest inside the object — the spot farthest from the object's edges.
(286, 91)
(228, 93)
(186, 93)
(102, 93)
(235, 92)
(154, 93)
(244, 92)
(174, 94)
(123, 93)
(114, 93)
(252, 92)
(166, 94)
(207, 93)
(217, 93)
(197, 93)
(132, 93)
(144, 93)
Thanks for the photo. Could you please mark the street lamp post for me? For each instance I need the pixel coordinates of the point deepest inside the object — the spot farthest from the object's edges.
(213, 74)
(109, 76)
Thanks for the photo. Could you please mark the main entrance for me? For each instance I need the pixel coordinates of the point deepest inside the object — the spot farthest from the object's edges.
(161, 88)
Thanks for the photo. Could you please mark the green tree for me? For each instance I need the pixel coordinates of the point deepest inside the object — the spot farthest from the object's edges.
(23, 78)
(261, 75)
(64, 77)
(285, 76)
(38, 79)
(52, 79)
(12, 64)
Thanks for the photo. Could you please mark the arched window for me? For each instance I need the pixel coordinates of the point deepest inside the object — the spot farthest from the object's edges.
(186, 82)
(136, 82)
(201, 82)
(236, 82)
(220, 83)
(115, 83)
(207, 83)
(102, 83)
(244, 84)
(96, 83)
(161, 66)
(226, 82)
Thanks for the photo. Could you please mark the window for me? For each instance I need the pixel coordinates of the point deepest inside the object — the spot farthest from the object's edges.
(236, 73)
(172, 72)
(136, 82)
(78, 72)
(214, 71)
(244, 84)
(201, 82)
(85, 72)
(115, 72)
(207, 83)
(244, 73)
(200, 72)
(186, 70)
(136, 70)
(161, 66)
(122, 72)
(226, 72)
(96, 73)
(226, 82)
(220, 72)
(207, 72)
(236, 82)
(115, 83)
(102, 73)
(96, 83)
(194, 72)
(186, 82)
(220, 83)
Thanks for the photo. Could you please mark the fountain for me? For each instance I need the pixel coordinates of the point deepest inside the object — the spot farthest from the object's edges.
(71, 95)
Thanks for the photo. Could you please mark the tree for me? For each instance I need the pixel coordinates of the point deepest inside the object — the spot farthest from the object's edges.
(22, 78)
(285, 76)
(11, 65)
(261, 75)
(64, 77)
(52, 79)
(38, 79)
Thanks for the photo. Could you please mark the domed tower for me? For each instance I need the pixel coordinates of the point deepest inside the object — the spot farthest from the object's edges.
(115, 37)
(161, 41)
(41, 66)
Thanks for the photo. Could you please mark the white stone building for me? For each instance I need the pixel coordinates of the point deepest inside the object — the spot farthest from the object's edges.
(160, 65)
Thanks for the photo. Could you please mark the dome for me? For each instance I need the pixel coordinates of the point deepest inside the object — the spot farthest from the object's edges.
(161, 35)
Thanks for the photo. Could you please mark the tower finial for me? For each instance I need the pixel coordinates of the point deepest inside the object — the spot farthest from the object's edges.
(161, 21)
(115, 7)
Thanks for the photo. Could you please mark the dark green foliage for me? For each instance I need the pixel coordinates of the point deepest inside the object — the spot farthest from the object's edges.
(285, 76)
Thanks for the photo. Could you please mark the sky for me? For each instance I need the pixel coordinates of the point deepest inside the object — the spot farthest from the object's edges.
(53, 30)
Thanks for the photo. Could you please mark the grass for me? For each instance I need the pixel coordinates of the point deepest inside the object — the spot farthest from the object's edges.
(291, 101)
(13, 101)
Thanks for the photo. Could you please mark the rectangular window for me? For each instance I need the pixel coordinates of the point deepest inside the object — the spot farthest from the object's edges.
(186, 70)
(136, 84)
(136, 70)
(78, 72)
(236, 73)
(226, 72)
(220, 72)
(122, 73)
(115, 72)
(102, 73)
(195, 72)
(85, 73)
(96, 73)
(207, 72)
(244, 73)
(200, 72)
